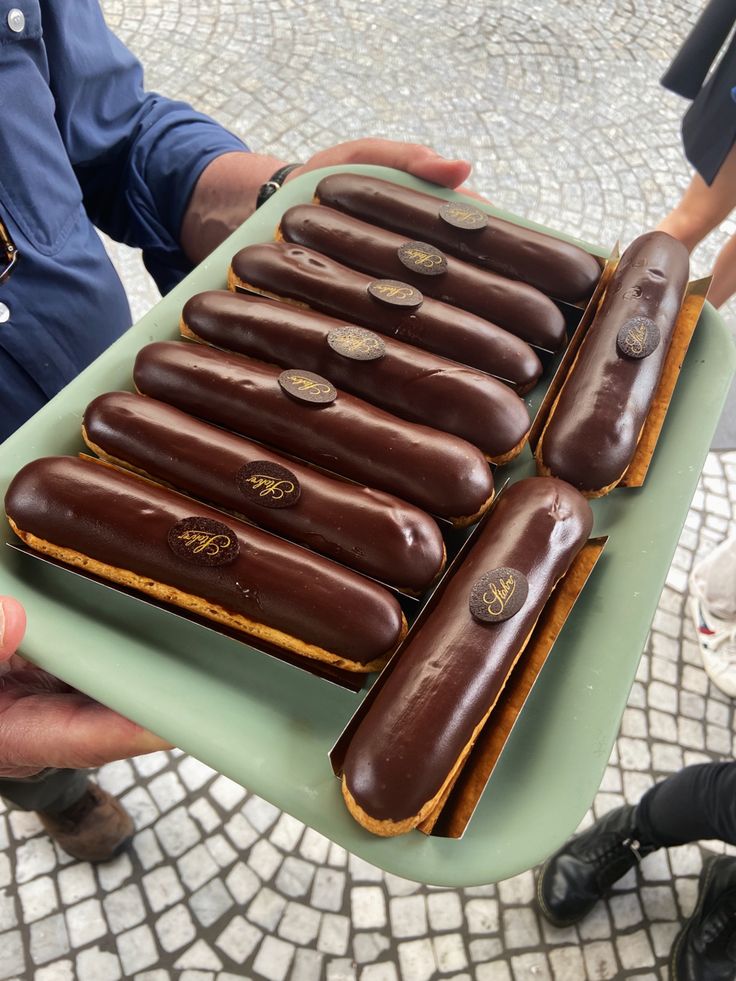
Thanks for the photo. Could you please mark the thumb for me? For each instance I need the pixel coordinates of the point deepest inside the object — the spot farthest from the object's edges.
(67, 730)
(12, 626)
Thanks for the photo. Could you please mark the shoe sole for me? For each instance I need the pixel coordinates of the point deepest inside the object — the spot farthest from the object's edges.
(705, 877)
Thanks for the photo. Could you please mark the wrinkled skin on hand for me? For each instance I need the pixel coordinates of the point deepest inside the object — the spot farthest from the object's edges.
(46, 723)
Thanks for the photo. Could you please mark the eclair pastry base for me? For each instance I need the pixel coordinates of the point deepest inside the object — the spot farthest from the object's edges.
(196, 604)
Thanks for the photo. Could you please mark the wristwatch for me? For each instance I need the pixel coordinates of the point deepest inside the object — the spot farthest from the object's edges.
(270, 187)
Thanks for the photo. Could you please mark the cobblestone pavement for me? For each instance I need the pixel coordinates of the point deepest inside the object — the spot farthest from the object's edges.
(558, 104)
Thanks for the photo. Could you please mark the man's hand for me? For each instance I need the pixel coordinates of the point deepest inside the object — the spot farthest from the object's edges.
(421, 161)
(225, 194)
(45, 723)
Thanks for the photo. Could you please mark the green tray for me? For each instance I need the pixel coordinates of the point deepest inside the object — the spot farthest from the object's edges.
(270, 726)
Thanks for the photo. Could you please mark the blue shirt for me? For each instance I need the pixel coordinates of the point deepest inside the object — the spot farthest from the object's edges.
(82, 144)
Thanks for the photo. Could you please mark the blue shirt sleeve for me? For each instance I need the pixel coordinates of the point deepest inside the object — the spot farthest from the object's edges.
(136, 154)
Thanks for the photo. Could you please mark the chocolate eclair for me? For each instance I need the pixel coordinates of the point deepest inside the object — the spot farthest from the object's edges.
(595, 423)
(396, 309)
(144, 536)
(551, 265)
(412, 383)
(303, 414)
(441, 687)
(372, 532)
(517, 307)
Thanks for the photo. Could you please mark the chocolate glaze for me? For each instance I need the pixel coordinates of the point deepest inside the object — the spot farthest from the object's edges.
(453, 667)
(438, 472)
(557, 268)
(120, 520)
(517, 307)
(595, 426)
(295, 273)
(372, 532)
(412, 383)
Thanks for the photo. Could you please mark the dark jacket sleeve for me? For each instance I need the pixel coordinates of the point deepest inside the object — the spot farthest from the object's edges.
(136, 154)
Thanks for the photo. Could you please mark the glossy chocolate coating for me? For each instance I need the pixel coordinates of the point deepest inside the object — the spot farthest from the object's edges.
(118, 519)
(517, 307)
(439, 473)
(370, 531)
(414, 384)
(295, 273)
(594, 430)
(557, 268)
(452, 669)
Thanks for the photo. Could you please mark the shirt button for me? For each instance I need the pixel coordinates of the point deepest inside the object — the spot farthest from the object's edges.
(4, 313)
(16, 20)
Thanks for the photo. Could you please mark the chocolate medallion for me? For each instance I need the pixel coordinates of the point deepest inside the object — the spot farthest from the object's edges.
(356, 343)
(422, 258)
(638, 338)
(396, 293)
(498, 595)
(307, 387)
(204, 541)
(268, 484)
(463, 215)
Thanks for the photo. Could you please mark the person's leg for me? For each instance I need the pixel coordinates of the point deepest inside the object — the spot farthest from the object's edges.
(51, 791)
(694, 804)
(703, 207)
(712, 605)
(697, 802)
(83, 819)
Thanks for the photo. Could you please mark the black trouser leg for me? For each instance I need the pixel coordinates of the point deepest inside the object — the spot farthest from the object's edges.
(697, 802)
(51, 791)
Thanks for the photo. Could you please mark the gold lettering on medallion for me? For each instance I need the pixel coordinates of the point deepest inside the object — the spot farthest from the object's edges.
(203, 541)
(635, 339)
(462, 213)
(270, 487)
(497, 596)
(399, 292)
(429, 260)
(354, 342)
(309, 385)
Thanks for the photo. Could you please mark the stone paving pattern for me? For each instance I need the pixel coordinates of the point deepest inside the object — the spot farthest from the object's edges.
(558, 104)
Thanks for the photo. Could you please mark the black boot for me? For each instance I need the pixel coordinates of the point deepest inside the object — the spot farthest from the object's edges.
(705, 950)
(572, 881)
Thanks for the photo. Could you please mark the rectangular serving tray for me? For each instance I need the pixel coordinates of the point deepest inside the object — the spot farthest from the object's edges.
(270, 726)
